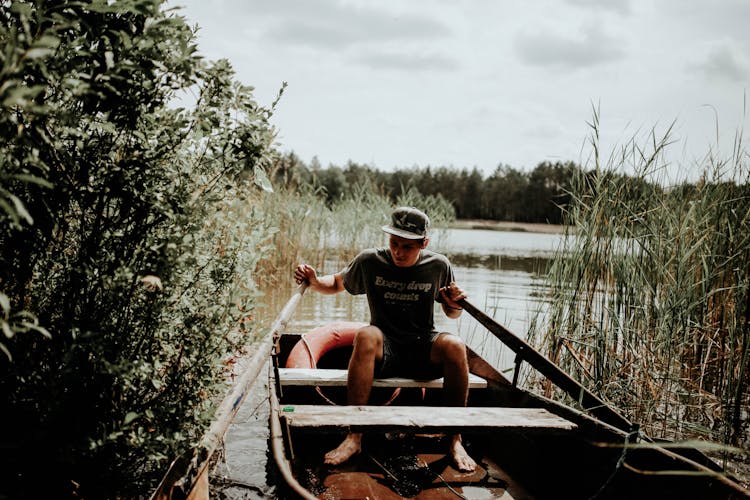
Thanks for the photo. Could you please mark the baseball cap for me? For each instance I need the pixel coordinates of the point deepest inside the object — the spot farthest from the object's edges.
(408, 222)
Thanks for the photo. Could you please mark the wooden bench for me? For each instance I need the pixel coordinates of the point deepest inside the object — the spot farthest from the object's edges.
(318, 377)
(421, 418)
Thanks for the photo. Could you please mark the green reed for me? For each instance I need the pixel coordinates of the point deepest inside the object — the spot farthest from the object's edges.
(650, 302)
(303, 228)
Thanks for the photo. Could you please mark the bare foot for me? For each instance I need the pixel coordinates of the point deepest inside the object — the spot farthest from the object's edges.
(462, 459)
(350, 446)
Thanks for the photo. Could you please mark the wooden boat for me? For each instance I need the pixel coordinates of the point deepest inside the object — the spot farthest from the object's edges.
(527, 446)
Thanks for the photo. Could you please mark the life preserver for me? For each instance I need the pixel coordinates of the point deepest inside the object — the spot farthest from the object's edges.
(314, 344)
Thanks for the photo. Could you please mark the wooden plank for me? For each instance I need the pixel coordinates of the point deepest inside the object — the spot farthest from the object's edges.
(329, 377)
(421, 417)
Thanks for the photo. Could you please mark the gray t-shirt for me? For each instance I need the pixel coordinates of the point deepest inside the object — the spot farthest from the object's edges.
(401, 299)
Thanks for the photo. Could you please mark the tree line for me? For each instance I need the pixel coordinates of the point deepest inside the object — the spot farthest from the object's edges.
(507, 194)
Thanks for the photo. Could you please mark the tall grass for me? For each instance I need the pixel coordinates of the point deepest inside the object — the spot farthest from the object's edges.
(305, 229)
(650, 302)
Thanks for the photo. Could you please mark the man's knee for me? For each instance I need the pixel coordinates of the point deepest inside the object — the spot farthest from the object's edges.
(451, 349)
(368, 341)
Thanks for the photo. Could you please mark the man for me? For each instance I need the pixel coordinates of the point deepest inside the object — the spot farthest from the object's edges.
(402, 283)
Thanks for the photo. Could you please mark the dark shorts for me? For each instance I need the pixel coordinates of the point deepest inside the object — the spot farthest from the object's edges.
(410, 360)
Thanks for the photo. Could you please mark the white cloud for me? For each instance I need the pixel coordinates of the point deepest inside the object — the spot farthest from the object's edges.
(329, 24)
(618, 6)
(406, 61)
(592, 47)
(439, 82)
(725, 61)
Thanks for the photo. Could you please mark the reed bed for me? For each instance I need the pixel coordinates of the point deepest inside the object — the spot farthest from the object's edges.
(303, 228)
(650, 302)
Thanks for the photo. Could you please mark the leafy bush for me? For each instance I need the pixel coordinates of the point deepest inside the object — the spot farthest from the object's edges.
(126, 249)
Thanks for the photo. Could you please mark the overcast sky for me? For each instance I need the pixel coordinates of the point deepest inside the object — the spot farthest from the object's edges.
(486, 82)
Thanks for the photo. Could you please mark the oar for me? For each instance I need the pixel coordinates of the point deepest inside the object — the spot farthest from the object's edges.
(524, 352)
(588, 400)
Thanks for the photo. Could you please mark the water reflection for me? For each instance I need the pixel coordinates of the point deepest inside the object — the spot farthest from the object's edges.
(534, 265)
(503, 274)
(245, 469)
(482, 242)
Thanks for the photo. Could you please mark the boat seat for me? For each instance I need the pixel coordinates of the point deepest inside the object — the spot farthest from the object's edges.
(319, 377)
(421, 418)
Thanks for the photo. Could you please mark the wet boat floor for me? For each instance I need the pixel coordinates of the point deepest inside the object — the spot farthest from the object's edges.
(395, 466)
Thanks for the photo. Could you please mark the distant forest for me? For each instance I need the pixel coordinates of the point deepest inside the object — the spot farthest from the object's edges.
(508, 194)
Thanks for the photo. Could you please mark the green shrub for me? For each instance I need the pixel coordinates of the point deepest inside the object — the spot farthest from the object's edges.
(127, 248)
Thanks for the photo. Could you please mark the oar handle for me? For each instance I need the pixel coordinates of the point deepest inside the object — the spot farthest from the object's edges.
(588, 400)
(280, 324)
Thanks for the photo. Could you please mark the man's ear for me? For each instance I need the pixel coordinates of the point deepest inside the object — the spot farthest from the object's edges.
(425, 242)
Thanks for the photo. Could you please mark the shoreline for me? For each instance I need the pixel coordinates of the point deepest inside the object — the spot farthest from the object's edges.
(493, 225)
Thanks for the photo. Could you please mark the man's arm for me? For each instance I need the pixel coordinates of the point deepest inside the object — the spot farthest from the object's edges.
(328, 284)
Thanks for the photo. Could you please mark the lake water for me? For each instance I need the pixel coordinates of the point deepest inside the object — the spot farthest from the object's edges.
(501, 271)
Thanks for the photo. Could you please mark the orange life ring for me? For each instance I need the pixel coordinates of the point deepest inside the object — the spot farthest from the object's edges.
(317, 342)
(314, 344)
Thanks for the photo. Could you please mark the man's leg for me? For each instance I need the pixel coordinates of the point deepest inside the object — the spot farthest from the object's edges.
(368, 348)
(450, 352)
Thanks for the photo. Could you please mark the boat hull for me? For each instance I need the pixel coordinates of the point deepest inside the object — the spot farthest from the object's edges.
(404, 457)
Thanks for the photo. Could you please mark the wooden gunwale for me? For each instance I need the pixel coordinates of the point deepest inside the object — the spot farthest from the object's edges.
(188, 474)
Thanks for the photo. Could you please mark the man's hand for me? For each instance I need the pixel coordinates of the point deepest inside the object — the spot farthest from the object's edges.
(451, 294)
(330, 283)
(306, 274)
